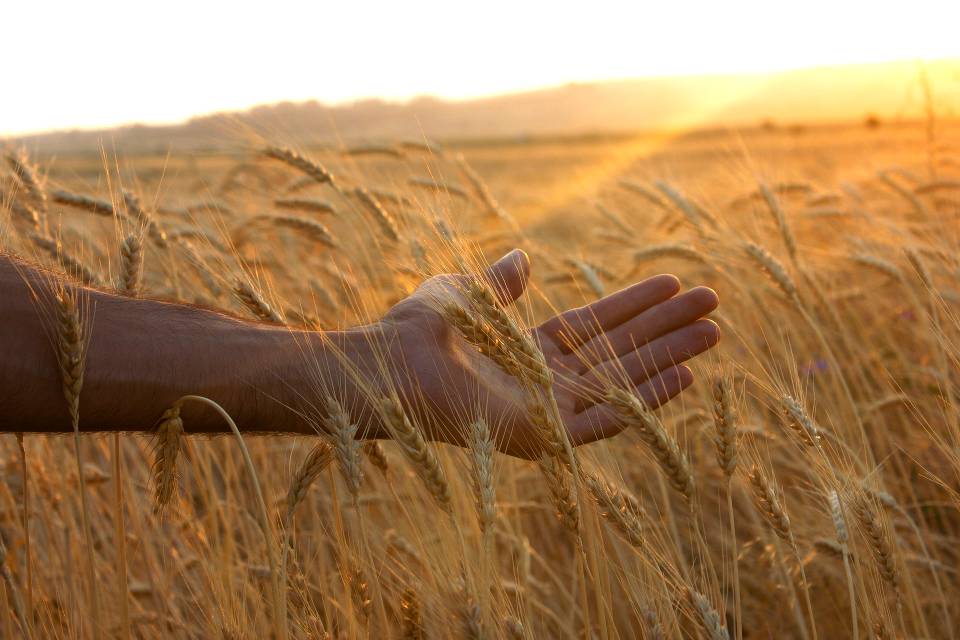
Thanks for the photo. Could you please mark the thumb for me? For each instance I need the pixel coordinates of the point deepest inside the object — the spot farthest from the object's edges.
(508, 276)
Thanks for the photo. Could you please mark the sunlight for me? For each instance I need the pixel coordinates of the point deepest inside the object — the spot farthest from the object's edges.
(110, 62)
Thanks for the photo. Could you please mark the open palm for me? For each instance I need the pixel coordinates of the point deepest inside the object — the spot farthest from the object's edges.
(638, 336)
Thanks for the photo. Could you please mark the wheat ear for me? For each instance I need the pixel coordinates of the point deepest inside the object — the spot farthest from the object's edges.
(131, 264)
(780, 218)
(387, 222)
(880, 543)
(417, 450)
(709, 617)
(843, 537)
(308, 228)
(800, 421)
(411, 618)
(309, 470)
(343, 433)
(304, 204)
(619, 508)
(725, 422)
(255, 303)
(136, 210)
(27, 176)
(481, 455)
(169, 440)
(514, 628)
(309, 168)
(561, 491)
(360, 593)
(82, 202)
(67, 262)
(768, 503)
(376, 455)
(664, 448)
(775, 269)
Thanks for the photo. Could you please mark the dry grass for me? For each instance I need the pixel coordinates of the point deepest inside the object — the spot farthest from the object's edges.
(811, 470)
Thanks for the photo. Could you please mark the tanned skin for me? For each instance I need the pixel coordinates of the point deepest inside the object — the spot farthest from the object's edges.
(143, 355)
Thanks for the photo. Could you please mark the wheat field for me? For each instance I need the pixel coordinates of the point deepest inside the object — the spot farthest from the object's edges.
(806, 485)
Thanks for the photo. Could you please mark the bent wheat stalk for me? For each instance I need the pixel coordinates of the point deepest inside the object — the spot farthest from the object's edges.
(279, 601)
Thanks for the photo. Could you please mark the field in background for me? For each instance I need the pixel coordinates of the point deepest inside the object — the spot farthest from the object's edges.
(833, 249)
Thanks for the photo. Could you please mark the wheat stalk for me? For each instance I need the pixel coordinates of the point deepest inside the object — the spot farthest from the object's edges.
(72, 339)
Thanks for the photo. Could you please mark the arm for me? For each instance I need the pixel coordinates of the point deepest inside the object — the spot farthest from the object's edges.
(143, 355)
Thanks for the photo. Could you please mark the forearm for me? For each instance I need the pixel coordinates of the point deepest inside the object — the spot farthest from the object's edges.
(142, 355)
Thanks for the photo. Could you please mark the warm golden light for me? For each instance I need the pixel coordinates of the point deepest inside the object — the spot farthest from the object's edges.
(110, 62)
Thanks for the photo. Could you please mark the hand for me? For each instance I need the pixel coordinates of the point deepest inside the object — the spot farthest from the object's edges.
(640, 334)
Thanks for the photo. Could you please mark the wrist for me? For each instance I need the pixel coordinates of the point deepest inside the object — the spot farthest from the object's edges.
(348, 366)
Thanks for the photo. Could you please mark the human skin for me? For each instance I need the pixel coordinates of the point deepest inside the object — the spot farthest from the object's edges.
(142, 355)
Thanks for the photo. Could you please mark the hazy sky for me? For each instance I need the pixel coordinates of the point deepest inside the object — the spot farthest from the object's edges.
(96, 63)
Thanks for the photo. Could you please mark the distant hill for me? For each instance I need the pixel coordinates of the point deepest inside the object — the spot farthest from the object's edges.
(889, 91)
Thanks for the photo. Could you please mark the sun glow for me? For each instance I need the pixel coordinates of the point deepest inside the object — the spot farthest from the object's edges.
(110, 62)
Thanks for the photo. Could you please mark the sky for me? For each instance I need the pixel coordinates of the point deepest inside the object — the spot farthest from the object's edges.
(103, 62)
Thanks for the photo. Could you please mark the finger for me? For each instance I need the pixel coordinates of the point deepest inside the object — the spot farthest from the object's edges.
(576, 326)
(602, 421)
(508, 276)
(647, 361)
(651, 324)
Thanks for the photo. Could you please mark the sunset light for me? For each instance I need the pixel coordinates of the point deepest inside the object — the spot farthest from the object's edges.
(119, 62)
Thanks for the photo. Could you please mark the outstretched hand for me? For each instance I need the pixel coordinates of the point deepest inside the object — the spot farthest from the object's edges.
(637, 336)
